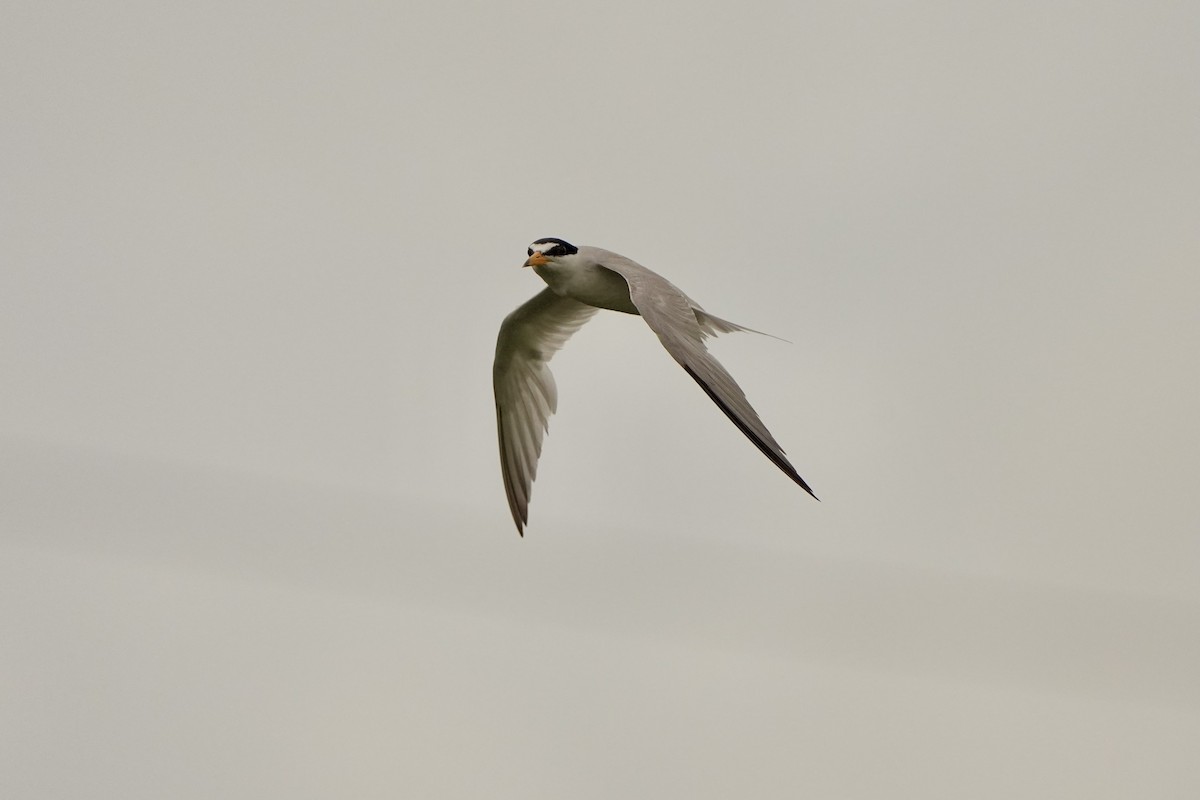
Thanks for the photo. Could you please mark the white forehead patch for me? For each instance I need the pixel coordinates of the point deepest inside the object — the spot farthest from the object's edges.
(542, 246)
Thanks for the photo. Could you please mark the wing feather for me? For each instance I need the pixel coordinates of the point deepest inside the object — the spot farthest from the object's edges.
(526, 396)
(682, 328)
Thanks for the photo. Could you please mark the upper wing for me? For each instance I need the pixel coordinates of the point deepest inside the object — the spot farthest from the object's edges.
(673, 317)
(525, 392)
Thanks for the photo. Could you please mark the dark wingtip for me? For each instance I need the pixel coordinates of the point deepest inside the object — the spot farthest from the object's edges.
(777, 459)
(803, 483)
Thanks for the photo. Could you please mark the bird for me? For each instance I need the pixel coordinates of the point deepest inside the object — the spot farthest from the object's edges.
(579, 282)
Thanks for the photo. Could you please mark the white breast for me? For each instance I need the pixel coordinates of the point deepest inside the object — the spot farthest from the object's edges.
(588, 283)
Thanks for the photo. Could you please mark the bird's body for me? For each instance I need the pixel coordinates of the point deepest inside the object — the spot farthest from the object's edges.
(588, 283)
(581, 280)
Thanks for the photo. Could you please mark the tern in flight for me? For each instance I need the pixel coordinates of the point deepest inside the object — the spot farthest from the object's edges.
(581, 280)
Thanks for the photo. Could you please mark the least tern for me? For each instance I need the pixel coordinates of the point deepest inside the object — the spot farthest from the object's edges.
(580, 281)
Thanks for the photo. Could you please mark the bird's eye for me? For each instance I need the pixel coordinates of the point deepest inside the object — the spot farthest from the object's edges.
(557, 250)
(529, 252)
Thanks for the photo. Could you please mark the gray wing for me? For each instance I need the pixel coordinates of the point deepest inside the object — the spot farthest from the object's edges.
(682, 327)
(525, 392)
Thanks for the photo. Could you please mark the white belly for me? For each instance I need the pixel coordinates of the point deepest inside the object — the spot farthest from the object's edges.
(589, 284)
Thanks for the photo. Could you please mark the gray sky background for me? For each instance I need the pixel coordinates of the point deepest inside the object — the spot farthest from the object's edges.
(253, 538)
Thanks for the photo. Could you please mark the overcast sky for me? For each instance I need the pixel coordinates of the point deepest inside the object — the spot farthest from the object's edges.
(253, 536)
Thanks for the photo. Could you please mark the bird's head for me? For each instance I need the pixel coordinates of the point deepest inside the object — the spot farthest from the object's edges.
(546, 251)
